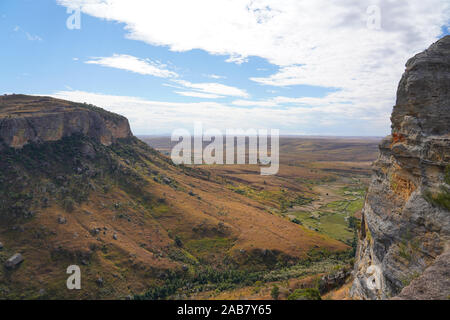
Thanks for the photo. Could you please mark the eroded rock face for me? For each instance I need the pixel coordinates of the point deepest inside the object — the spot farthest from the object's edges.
(27, 119)
(406, 219)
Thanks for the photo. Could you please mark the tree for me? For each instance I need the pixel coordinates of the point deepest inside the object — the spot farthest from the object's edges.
(178, 241)
(275, 292)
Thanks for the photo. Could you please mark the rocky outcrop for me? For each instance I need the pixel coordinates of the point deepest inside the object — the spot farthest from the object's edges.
(333, 280)
(404, 238)
(433, 284)
(27, 119)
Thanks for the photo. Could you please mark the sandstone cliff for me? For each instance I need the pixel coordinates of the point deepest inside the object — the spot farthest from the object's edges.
(25, 119)
(404, 239)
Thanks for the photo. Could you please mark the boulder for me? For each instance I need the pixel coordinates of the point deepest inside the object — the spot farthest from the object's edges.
(62, 220)
(14, 261)
(99, 282)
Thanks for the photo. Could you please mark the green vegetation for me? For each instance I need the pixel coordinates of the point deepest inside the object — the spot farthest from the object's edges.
(447, 174)
(305, 294)
(353, 190)
(208, 278)
(347, 206)
(206, 248)
(281, 199)
(275, 292)
(59, 172)
(409, 278)
(68, 204)
(354, 223)
(408, 248)
(318, 261)
(335, 219)
(318, 181)
(333, 224)
(203, 279)
(178, 241)
(442, 198)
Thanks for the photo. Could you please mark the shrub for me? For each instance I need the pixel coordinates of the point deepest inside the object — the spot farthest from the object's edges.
(441, 199)
(305, 294)
(447, 175)
(353, 223)
(178, 241)
(275, 292)
(68, 204)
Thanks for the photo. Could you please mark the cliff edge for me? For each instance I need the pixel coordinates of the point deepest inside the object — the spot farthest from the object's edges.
(26, 119)
(404, 239)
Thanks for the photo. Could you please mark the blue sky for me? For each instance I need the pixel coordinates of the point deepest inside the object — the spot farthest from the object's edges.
(293, 66)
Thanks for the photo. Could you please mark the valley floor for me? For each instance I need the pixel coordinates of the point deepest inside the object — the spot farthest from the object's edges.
(321, 185)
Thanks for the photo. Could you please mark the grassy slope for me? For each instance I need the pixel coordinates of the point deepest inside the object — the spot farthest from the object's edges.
(129, 190)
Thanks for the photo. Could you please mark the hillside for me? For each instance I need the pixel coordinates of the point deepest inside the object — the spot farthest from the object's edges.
(76, 187)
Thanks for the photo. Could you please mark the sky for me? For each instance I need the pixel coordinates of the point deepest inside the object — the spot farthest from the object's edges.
(304, 67)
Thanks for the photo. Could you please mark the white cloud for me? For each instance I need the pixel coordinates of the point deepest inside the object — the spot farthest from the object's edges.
(31, 37)
(329, 100)
(261, 103)
(213, 88)
(320, 43)
(159, 117)
(28, 35)
(236, 58)
(133, 64)
(215, 76)
(198, 95)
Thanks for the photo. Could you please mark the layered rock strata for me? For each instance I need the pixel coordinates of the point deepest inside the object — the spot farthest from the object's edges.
(404, 238)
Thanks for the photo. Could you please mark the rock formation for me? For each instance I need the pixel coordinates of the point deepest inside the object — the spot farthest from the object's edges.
(20, 124)
(404, 239)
